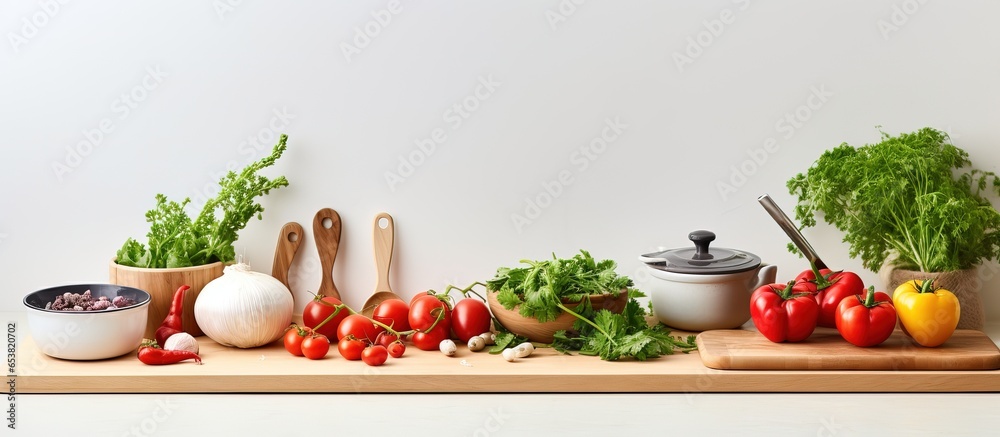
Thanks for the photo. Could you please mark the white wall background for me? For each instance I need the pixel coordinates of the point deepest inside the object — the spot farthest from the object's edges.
(225, 71)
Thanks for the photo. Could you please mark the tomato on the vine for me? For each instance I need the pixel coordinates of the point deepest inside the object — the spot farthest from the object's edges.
(375, 355)
(426, 312)
(350, 348)
(427, 309)
(315, 347)
(396, 349)
(469, 318)
(417, 296)
(393, 313)
(293, 339)
(318, 309)
(386, 338)
(360, 327)
(431, 340)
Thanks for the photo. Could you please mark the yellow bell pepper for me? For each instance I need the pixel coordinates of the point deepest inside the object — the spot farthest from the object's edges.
(928, 315)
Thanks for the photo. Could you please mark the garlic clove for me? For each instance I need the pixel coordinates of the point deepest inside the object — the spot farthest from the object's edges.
(448, 347)
(181, 341)
(510, 355)
(524, 349)
(489, 337)
(476, 344)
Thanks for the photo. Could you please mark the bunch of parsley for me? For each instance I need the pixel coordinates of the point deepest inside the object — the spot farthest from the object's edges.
(174, 240)
(539, 289)
(913, 197)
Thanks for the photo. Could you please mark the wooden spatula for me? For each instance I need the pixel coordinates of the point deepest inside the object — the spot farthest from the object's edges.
(289, 241)
(326, 232)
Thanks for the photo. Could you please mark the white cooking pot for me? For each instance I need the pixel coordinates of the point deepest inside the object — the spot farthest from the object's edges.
(700, 288)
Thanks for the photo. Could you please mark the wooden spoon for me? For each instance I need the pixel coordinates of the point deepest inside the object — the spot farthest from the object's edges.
(326, 232)
(289, 241)
(383, 237)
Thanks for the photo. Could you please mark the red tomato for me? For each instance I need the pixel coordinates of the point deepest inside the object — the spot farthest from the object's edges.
(351, 348)
(430, 341)
(784, 312)
(394, 313)
(425, 310)
(830, 289)
(415, 296)
(396, 349)
(866, 320)
(360, 327)
(315, 347)
(375, 355)
(293, 339)
(317, 311)
(469, 318)
(386, 338)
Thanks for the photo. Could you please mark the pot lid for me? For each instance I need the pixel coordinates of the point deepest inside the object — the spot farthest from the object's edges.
(700, 259)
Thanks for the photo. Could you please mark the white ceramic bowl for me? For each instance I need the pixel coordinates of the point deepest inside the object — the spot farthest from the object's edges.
(87, 335)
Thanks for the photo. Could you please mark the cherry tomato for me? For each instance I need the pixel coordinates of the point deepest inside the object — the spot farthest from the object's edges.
(386, 338)
(375, 355)
(315, 347)
(394, 313)
(317, 310)
(293, 339)
(396, 349)
(469, 318)
(360, 327)
(425, 310)
(351, 348)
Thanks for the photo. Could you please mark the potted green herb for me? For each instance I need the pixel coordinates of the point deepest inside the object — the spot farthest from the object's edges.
(911, 206)
(182, 251)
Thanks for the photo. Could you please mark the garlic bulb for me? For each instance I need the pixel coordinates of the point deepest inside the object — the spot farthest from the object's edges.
(243, 308)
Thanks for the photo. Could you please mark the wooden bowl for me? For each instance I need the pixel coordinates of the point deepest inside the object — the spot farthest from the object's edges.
(543, 332)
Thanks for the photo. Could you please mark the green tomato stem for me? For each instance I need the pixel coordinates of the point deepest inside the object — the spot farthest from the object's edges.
(398, 334)
(869, 297)
(337, 310)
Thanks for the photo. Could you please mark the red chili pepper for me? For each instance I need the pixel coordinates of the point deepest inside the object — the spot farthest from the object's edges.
(172, 323)
(156, 356)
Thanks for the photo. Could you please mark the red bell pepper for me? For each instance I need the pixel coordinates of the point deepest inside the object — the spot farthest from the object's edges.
(784, 312)
(866, 320)
(830, 288)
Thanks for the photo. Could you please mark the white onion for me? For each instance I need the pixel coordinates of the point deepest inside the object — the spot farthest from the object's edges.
(243, 308)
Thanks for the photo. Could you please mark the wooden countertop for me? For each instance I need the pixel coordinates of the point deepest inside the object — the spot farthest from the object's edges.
(271, 369)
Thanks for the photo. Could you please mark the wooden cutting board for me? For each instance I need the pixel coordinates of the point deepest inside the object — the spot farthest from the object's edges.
(826, 350)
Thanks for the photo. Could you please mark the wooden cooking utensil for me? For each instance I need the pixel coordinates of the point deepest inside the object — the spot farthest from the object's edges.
(327, 242)
(383, 238)
(289, 241)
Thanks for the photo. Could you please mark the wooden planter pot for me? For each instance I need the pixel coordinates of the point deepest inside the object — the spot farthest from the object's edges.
(161, 285)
